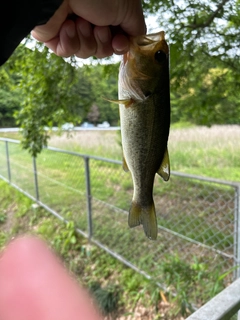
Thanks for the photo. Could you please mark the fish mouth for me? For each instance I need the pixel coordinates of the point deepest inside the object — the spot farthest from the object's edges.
(144, 42)
(148, 40)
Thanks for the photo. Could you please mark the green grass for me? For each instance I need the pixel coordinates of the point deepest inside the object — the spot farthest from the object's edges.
(182, 125)
(118, 289)
(213, 152)
(62, 183)
(11, 135)
(199, 210)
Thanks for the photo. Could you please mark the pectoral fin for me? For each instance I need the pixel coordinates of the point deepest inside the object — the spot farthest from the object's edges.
(126, 102)
(164, 170)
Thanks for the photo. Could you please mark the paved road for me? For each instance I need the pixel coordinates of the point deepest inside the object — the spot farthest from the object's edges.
(75, 129)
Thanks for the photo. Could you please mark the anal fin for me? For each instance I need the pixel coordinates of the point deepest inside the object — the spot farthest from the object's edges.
(164, 170)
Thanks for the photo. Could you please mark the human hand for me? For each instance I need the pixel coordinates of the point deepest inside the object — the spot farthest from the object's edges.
(100, 29)
(35, 285)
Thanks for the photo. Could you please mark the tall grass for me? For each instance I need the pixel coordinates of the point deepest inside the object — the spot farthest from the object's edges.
(213, 152)
(99, 143)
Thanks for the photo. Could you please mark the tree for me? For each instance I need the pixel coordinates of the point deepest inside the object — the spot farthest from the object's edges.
(46, 91)
(9, 98)
(51, 92)
(104, 80)
(93, 114)
(207, 98)
(83, 91)
(203, 36)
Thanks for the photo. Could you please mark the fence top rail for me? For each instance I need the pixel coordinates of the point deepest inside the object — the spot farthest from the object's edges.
(234, 184)
(207, 179)
(10, 140)
(222, 307)
(84, 155)
(68, 152)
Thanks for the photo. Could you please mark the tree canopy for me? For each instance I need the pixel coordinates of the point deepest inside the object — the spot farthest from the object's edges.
(43, 90)
(204, 38)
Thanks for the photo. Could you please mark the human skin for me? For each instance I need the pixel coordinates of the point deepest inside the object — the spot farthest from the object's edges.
(35, 285)
(99, 28)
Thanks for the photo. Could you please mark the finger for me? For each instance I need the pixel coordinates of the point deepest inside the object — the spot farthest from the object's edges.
(120, 44)
(103, 38)
(67, 42)
(34, 281)
(133, 22)
(127, 14)
(88, 44)
(50, 30)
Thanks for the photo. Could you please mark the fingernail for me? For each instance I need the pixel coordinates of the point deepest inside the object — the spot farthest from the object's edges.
(120, 44)
(121, 50)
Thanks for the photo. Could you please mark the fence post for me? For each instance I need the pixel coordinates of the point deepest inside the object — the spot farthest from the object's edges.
(237, 236)
(35, 178)
(8, 162)
(237, 232)
(88, 197)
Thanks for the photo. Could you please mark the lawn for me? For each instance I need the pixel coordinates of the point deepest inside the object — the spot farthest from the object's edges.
(120, 292)
(200, 211)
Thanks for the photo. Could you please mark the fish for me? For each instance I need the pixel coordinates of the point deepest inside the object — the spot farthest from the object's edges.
(144, 104)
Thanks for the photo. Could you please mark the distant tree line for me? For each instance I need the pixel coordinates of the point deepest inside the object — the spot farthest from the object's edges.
(37, 82)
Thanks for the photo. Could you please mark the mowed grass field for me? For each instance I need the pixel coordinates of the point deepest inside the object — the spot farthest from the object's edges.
(212, 152)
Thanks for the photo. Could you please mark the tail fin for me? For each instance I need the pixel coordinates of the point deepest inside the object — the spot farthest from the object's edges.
(145, 216)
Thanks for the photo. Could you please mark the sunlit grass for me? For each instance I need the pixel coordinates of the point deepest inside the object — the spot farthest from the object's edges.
(99, 143)
(212, 152)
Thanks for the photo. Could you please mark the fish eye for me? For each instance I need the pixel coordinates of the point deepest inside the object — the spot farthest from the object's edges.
(160, 56)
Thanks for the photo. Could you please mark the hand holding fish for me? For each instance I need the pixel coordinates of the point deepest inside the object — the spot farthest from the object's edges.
(99, 28)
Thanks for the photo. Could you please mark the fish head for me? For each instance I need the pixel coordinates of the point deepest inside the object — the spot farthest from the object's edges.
(144, 67)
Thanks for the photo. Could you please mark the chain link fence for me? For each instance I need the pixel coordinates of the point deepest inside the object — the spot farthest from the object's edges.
(197, 252)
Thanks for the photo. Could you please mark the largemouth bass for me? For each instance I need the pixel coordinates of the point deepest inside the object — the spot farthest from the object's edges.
(144, 101)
